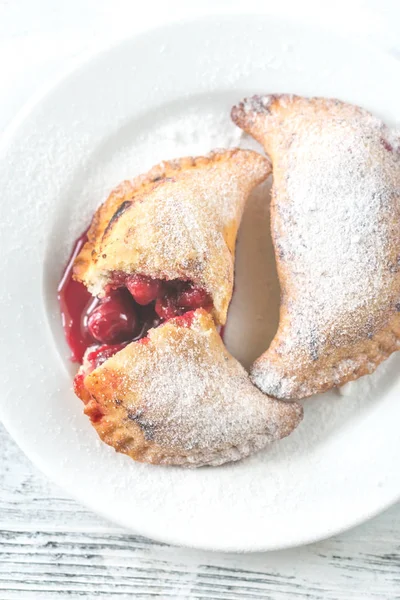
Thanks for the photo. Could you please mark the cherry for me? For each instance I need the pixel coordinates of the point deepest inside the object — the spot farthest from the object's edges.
(143, 289)
(113, 320)
(166, 308)
(193, 297)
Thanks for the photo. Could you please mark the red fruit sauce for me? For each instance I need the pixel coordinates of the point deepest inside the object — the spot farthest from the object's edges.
(113, 320)
(133, 304)
(74, 300)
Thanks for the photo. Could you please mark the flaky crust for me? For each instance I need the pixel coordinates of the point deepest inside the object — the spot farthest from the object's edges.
(179, 221)
(179, 398)
(335, 217)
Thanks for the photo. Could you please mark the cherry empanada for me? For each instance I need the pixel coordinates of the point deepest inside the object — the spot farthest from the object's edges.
(177, 397)
(335, 216)
(176, 224)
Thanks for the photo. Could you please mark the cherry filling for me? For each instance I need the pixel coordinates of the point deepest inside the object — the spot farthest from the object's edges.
(143, 289)
(113, 319)
(133, 304)
(171, 298)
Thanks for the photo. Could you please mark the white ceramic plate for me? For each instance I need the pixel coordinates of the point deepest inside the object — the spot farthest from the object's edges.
(168, 93)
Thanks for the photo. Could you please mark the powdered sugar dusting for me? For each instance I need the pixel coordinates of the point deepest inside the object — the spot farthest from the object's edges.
(337, 230)
(339, 206)
(191, 398)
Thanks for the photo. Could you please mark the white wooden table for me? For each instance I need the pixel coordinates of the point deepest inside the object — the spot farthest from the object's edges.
(50, 547)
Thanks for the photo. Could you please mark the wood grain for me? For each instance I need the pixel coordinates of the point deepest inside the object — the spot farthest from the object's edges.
(50, 547)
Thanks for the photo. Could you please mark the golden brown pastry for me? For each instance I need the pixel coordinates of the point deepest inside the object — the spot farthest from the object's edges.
(178, 397)
(336, 230)
(176, 223)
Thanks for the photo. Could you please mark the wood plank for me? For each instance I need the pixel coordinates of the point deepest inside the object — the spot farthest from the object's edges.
(117, 565)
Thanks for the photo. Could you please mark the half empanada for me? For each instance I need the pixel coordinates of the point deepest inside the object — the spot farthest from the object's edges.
(178, 397)
(336, 230)
(178, 223)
